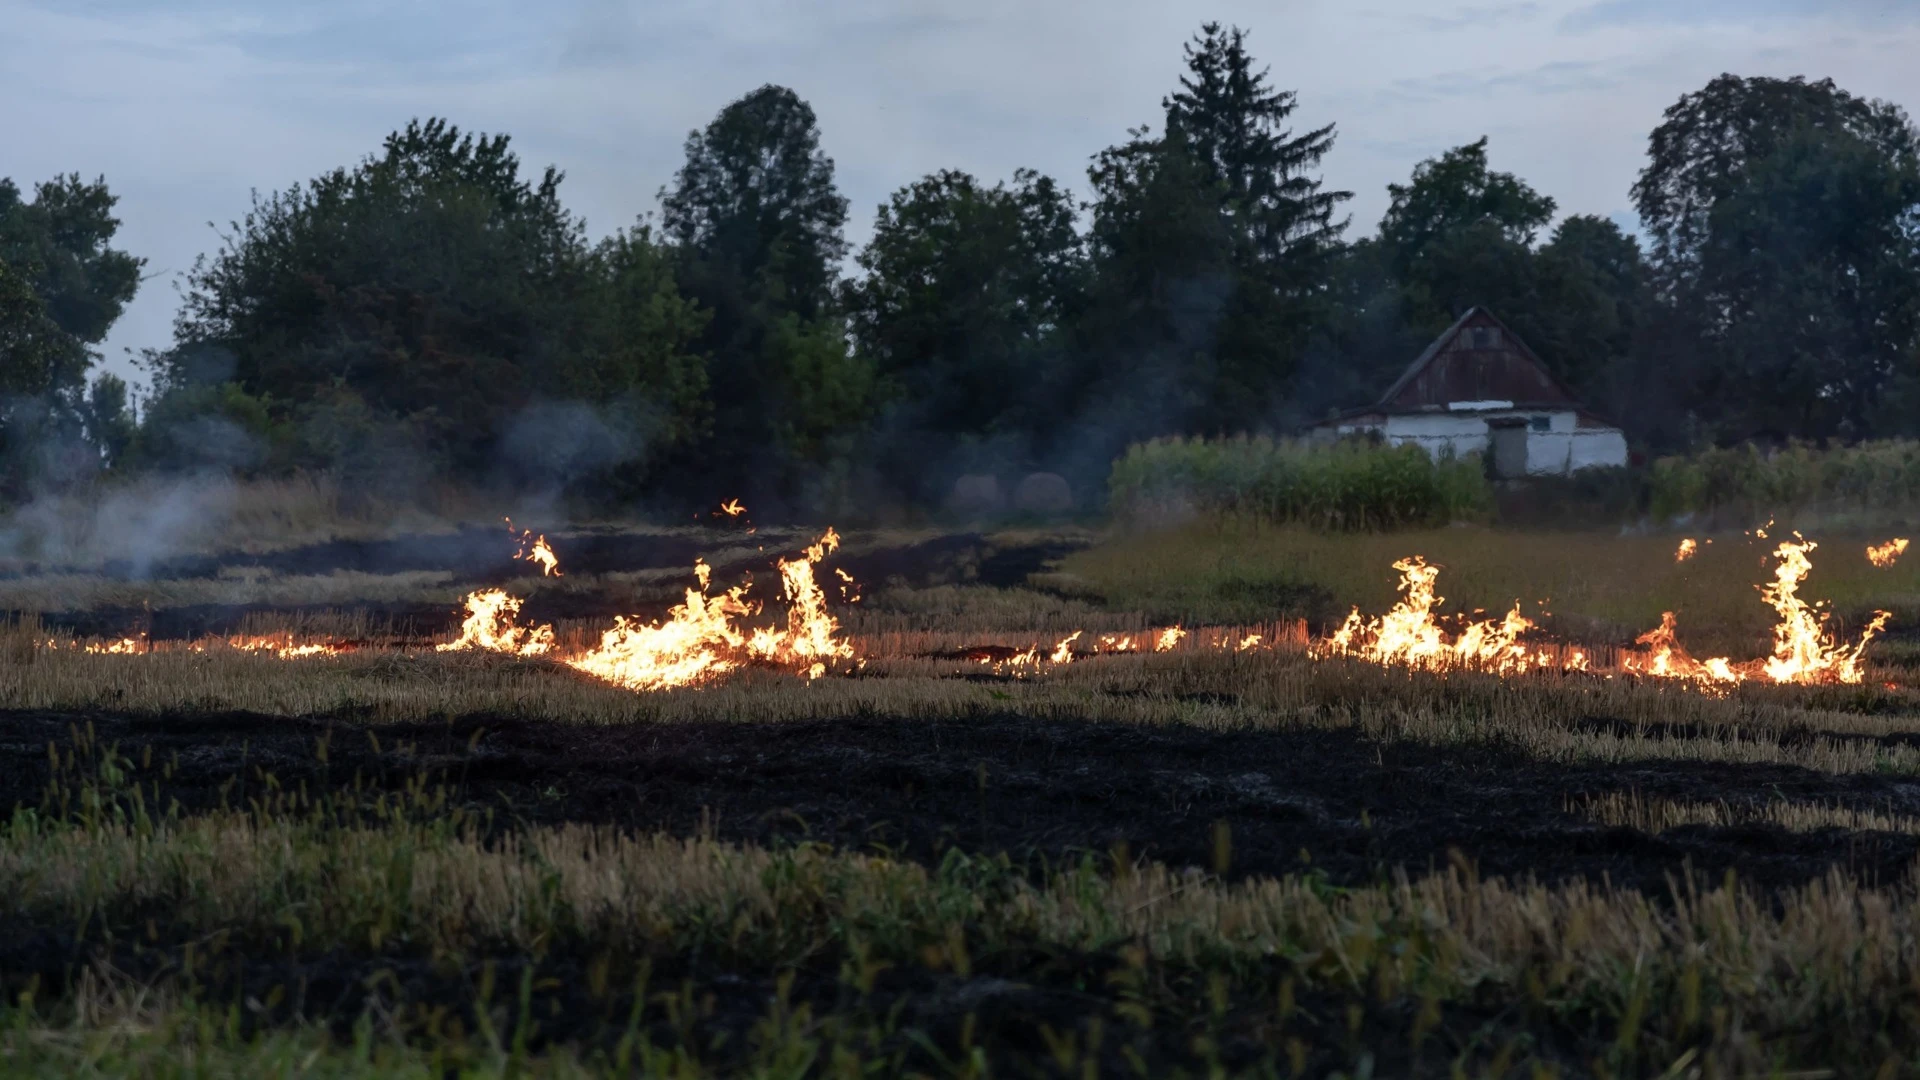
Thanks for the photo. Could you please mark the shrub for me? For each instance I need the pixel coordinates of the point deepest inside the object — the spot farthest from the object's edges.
(1345, 485)
(1746, 480)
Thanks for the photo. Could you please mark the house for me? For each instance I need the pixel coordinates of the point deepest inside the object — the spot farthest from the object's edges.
(1479, 389)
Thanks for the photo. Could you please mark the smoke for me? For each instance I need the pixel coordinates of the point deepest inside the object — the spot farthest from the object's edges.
(136, 526)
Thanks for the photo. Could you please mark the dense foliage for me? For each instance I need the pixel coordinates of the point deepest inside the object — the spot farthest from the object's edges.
(1744, 481)
(432, 311)
(1353, 484)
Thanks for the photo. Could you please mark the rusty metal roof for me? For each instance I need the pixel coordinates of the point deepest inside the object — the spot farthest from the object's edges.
(1494, 365)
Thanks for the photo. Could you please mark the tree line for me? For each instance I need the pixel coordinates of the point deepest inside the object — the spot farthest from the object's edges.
(432, 312)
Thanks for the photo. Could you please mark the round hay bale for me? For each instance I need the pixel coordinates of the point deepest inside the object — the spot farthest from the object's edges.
(1043, 493)
(975, 493)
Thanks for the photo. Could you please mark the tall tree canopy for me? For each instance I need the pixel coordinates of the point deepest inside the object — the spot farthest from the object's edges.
(969, 292)
(1785, 216)
(433, 288)
(62, 286)
(758, 222)
(1210, 245)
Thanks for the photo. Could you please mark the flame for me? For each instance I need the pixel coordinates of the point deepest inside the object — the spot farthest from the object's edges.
(731, 508)
(490, 625)
(282, 645)
(1251, 641)
(534, 549)
(1114, 643)
(810, 638)
(694, 644)
(1408, 634)
(1665, 659)
(1168, 639)
(124, 646)
(1803, 650)
(1883, 555)
(1687, 549)
(1063, 652)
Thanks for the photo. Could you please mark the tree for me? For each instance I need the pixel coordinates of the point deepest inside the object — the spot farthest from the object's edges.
(432, 291)
(60, 243)
(62, 286)
(1785, 216)
(1211, 246)
(1232, 123)
(757, 221)
(756, 196)
(968, 291)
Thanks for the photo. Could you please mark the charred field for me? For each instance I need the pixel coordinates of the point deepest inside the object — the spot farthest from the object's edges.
(975, 844)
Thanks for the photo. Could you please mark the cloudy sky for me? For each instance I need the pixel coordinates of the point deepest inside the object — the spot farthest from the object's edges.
(187, 106)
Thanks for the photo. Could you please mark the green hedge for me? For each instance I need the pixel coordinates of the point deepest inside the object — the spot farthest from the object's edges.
(1345, 485)
(1746, 480)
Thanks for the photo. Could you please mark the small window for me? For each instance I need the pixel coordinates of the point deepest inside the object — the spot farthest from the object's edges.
(1482, 337)
(1540, 423)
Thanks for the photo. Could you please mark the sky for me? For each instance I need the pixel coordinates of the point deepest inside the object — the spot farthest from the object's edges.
(188, 107)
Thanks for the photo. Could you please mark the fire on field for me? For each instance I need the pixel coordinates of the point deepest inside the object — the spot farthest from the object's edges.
(715, 632)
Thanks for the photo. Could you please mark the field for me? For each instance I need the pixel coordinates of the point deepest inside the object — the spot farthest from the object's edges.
(1226, 856)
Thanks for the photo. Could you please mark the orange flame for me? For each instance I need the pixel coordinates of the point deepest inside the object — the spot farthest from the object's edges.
(534, 549)
(1883, 555)
(1168, 638)
(1665, 659)
(1687, 549)
(732, 508)
(693, 644)
(1063, 652)
(490, 625)
(1408, 634)
(1803, 650)
(283, 646)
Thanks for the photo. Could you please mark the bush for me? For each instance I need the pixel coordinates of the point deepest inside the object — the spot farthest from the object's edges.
(1751, 482)
(1344, 485)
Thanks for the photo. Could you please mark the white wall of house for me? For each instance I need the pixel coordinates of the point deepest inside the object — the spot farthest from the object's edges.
(1563, 448)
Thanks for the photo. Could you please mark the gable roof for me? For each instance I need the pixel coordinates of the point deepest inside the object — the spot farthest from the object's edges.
(1509, 371)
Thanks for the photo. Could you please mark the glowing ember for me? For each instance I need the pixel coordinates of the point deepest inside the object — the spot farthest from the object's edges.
(490, 625)
(1883, 555)
(1409, 635)
(1687, 549)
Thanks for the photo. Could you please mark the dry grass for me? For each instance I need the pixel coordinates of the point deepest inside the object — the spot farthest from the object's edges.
(1203, 683)
(1718, 968)
(1657, 815)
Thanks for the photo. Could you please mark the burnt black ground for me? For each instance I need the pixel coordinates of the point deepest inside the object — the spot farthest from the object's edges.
(478, 558)
(1041, 791)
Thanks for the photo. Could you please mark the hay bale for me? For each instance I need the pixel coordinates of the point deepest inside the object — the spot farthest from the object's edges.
(1043, 493)
(975, 493)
